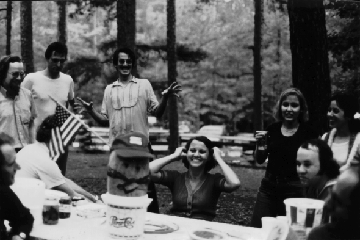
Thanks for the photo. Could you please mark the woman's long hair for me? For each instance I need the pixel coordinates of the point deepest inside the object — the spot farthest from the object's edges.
(210, 145)
(350, 105)
(304, 114)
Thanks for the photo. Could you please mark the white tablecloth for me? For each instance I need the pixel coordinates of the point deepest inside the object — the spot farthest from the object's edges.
(78, 228)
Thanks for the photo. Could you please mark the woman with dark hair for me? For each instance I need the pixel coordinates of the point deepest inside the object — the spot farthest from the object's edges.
(316, 168)
(283, 139)
(344, 137)
(195, 192)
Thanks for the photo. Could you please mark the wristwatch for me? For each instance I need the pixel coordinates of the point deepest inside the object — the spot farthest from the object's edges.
(22, 235)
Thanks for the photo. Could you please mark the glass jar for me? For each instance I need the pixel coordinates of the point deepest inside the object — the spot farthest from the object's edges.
(65, 207)
(51, 211)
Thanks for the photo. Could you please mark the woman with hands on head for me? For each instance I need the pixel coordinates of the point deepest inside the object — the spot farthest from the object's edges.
(195, 192)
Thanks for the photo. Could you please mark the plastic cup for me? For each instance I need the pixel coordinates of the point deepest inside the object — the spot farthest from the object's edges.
(262, 144)
(268, 223)
(303, 214)
(125, 216)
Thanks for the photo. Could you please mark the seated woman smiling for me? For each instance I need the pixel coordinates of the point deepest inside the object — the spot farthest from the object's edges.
(195, 192)
(316, 168)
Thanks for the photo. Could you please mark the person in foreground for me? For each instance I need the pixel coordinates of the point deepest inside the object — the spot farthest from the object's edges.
(343, 206)
(11, 209)
(344, 137)
(316, 168)
(283, 138)
(195, 192)
(35, 162)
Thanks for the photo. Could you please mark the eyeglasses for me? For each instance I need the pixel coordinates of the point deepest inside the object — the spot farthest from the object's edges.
(123, 61)
(56, 60)
(17, 74)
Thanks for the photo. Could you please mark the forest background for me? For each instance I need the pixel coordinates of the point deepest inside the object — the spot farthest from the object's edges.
(215, 43)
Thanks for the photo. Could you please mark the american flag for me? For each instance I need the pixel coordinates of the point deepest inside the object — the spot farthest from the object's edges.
(67, 126)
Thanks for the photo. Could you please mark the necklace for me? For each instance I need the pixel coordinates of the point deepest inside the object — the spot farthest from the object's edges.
(288, 132)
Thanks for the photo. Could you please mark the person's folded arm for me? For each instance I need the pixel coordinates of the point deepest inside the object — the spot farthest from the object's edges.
(19, 217)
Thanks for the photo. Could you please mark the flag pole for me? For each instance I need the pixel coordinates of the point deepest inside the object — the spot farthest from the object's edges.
(82, 123)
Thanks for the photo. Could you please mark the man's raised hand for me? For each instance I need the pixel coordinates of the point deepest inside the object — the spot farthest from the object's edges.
(174, 88)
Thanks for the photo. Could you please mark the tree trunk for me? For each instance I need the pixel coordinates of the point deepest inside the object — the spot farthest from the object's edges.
(172, 74)
(62, 22)
(258, 21)
(310, 64)
(126, 27)
(27, 53)
(8, 27)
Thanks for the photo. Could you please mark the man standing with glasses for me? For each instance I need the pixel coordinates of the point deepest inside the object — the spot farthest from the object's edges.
(17, 109)
(51, 82)
(127, 104)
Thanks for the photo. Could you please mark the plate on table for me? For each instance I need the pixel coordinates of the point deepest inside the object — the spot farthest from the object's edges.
(153, 227)
(207, 234)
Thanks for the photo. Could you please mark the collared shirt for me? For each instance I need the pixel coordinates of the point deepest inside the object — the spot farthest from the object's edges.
(16, 116)
(128, 105)
(35, 162)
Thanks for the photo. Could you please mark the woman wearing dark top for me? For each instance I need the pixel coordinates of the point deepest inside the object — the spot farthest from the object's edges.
(195, 192)
(11, 208)
(283, 138)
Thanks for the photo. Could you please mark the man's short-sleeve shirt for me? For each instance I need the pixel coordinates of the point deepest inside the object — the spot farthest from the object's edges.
(16, 116)
(42, 87)
(127, 106)
(35, 162)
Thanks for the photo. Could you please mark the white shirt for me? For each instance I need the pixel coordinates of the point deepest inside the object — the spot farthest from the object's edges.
(41, 87)
(340, 151)
(35, 162)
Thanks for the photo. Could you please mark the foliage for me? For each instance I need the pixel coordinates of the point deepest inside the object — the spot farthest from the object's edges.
(343, 24)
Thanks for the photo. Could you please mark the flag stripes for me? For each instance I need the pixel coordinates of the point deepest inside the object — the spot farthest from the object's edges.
(67, 125)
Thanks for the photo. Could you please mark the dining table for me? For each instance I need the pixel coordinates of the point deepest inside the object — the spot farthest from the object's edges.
(95, 228)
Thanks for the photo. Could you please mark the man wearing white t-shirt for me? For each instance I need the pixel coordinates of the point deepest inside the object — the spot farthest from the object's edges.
(51, 82)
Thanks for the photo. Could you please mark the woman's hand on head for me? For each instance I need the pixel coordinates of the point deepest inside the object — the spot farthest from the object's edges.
(179, 152)
(217, 153)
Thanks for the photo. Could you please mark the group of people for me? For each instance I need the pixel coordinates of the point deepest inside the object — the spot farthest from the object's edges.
(300, 163)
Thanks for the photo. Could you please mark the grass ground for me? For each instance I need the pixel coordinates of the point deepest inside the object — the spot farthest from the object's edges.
(89, 171)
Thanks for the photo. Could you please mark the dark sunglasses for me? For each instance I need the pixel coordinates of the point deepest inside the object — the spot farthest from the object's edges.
(17, 74)
(57, 60)
(123, 61)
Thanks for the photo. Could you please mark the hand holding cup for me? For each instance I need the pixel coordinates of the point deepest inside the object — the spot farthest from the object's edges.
(261, 142)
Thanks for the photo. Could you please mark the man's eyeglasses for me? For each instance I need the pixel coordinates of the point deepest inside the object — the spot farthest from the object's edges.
(56, 60)
(123, 61)
(17, 74)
